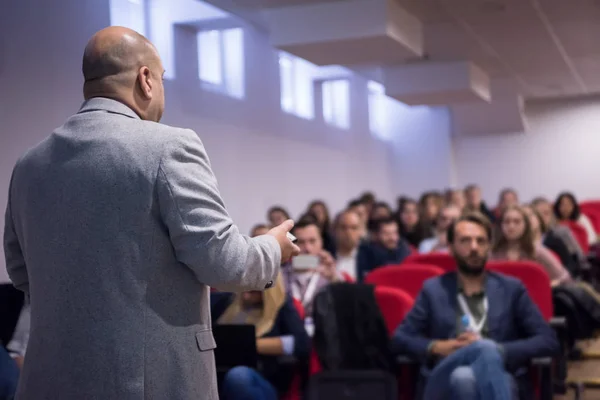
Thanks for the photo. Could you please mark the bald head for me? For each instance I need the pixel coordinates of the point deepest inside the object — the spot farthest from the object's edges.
(120, 63)
(115, 51)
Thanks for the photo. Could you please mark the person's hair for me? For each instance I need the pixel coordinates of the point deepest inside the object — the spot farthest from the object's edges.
(278, 209)
(437, 198)
(381, 204)
(321, 203)
(257, 227)
(367, 197)
(526, 244)
(539, 200)
(474, 217)
(576, 210)
(378, 224)
(305, 221)
(543, 226)
(506, 191)
(355, 203)
(342, 214)
(471, 187)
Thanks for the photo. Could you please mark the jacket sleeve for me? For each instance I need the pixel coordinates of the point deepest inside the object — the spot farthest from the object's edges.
(540, 338)
(202, 233)
(409, 337)
(15, 261)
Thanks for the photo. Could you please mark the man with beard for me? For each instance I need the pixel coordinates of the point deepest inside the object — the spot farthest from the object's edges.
(474, 331)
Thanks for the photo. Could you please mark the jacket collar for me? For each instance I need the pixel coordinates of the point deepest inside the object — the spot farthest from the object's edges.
(108, 105)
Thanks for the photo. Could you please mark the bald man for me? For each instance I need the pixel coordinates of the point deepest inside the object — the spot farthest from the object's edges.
(115, 228)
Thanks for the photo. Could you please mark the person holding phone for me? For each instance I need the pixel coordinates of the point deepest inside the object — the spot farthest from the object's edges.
(314, 268)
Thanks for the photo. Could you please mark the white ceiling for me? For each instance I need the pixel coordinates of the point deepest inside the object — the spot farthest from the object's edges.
(549, 47)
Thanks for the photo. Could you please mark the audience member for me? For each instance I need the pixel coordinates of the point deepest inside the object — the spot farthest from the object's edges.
(369, 200)
(277, 215)
(319, 210)
(361, 210)
(348, 237)
(542, 236)
(258, 230)
(474, 330)
(474, 202)
(412, 229)
(515, 241)
(279, 331)
(438, 243)
(508, 197)
(386, 248)
(380, 210)
(305, 282)
(559, 232)
(456, 197)
(430, 204)
(566, 208)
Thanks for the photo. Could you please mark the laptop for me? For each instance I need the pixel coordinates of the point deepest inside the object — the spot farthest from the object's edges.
(236, 346)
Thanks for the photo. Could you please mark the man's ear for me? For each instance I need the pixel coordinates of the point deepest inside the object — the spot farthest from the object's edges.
(145, 82)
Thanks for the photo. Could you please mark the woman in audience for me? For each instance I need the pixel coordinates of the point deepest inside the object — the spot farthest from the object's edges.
(456, 197)
(411, 228)
(319, 210)
(430, 204)
(566, 208)
(515, 242)
(541, 234)
(279, 332)
(277, 215)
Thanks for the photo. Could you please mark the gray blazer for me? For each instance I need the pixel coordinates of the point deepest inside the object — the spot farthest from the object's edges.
(114, 228)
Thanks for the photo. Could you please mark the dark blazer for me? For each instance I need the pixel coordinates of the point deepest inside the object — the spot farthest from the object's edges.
(288, 322)
(558, 246)
(514, 321)
(371, 256)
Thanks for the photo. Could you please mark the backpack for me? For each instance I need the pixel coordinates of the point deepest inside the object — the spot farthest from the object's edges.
(350, 332)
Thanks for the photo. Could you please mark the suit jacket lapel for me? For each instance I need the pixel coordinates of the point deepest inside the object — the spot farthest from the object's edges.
(450, 305)
(494, 299)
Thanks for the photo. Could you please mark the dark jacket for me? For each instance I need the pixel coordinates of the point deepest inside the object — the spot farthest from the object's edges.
(350, 332)
(372, 255)
(288, 322)
(558, 246)
(514, 322)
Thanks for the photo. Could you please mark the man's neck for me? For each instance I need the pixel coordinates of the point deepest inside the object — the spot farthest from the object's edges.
(343, 251)
(471, 284)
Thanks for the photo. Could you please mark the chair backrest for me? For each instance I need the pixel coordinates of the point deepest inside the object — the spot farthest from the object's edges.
(580, 234)
(394, 305)
(590, 205)
(534, 277)
(299, 308)
(408, 277)
(443, 260)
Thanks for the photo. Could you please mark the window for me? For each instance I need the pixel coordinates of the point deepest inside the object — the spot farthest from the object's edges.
(129, 13)
(297, 96)
(336, 103)
(377, 109)
(221, 61)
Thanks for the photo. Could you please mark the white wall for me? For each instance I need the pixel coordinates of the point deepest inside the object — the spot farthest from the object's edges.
(260, 156)
(423, 149)
(560, 151)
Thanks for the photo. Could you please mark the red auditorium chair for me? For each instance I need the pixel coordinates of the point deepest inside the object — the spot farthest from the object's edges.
(443, 260)
(407, 277)
(534, 277)
(593, 214)
(537, 282)
(580, 234)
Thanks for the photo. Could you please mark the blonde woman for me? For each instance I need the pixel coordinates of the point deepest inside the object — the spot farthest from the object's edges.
(279, 331)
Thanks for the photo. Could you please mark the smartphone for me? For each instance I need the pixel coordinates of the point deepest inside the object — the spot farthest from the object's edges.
(291, 237)
(305, 261)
